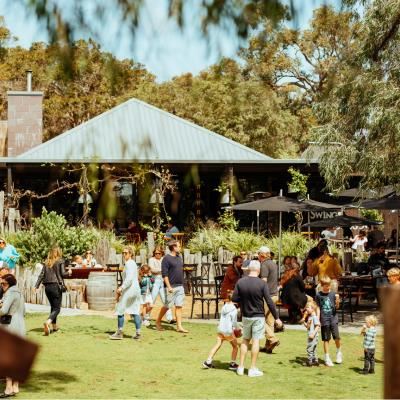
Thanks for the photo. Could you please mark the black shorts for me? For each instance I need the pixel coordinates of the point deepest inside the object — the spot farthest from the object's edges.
(327, 330)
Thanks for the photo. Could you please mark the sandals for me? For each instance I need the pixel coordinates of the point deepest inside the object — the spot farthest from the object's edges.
(4, 395)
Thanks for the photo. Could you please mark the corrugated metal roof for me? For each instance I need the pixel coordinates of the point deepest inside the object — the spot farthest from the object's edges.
(137, 131)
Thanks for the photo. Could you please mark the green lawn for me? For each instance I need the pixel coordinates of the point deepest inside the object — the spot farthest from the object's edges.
(80, 362)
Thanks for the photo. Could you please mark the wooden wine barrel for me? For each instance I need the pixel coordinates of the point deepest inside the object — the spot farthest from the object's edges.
(100, 290)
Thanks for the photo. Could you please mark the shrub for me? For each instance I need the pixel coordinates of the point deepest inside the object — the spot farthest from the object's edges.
(51, 229)
(209, 240)
(293, 244)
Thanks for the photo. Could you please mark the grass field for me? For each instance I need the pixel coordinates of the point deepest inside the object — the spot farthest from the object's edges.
(80, 362)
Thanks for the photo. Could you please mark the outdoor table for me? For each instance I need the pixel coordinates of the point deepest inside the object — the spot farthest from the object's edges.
(82, 273)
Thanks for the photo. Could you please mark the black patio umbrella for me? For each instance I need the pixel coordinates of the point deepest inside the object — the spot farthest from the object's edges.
(342, 221)
(281, 204)
(386, 203)
(368, 194)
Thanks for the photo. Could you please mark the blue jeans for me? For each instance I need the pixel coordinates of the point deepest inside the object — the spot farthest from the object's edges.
(136, 318)
(158, 289)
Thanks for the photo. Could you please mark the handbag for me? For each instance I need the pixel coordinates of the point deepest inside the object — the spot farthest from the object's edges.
(5, 319)
(60, 281)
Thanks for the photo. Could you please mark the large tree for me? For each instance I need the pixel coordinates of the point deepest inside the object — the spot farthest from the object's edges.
(98, 83)
(222, 100)
(360, 129)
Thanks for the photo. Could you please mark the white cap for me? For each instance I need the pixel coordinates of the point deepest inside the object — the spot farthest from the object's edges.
(254, 265)
(264, 249)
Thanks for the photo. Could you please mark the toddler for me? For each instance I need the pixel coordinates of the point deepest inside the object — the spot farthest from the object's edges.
(393, 276)
(369, 332)
(327, 302)
(312, 324)
(227, 331)
(146, 282)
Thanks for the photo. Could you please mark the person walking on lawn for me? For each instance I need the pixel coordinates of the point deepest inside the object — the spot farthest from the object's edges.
(269, 274)
(129, 296)
(250, 292)
(172, 273)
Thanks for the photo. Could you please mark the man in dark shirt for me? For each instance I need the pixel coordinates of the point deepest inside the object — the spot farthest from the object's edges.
(172, 273)
(269, 274)
(250, 292)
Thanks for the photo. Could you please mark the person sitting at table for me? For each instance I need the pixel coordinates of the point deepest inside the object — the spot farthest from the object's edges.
(287, 262)
(394, 276)
(378, 259)
(393, 239)
(293, 294)
(170, 231)
(359, 241)
(77, 261)
(328, 233)
(232, 275)
(375, 237)
(89, 261)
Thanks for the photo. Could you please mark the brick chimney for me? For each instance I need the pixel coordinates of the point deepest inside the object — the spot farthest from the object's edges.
(25, 119)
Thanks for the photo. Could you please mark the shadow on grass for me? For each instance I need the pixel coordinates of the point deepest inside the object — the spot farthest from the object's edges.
(50, 381)
(221, 365)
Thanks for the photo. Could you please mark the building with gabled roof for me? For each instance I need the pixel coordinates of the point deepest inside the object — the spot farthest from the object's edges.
(134, 132)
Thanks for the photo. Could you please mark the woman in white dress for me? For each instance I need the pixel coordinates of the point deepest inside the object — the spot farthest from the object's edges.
(129, 297)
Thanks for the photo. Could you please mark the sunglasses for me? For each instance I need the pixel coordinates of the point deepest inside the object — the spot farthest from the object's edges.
(125, 252)
(157, 254)
(1, 242)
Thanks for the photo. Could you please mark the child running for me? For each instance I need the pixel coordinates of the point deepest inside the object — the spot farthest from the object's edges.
(227, 328)
(327, 302)
(312, 324)
(369, 332)
(146, 282)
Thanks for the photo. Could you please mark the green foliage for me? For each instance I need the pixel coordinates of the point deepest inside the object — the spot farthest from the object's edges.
(298, 184)
(50, 230)
(360, 118)
(293, 244)
(209, 240)
(374, 215)
(227, 220)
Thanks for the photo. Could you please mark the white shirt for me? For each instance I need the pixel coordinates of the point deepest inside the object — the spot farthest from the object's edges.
(155, 265)
(359, 242)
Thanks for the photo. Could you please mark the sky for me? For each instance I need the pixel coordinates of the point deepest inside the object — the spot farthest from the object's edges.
(158, 44)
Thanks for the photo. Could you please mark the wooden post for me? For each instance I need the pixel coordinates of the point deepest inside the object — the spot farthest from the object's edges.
(391, 318)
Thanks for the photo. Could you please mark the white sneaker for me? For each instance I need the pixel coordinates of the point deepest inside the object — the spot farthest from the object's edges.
(254, 372)
(339, 357)
(240, 371)
(146, 322)
(328, 362)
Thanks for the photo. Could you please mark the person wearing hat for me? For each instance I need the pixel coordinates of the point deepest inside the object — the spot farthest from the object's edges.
(269, 274)
(9, 255)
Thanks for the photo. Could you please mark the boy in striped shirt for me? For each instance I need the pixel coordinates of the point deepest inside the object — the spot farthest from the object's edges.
(369, 332)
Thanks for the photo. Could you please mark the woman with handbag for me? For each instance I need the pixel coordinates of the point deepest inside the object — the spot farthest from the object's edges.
(51, 276)
(12, 318)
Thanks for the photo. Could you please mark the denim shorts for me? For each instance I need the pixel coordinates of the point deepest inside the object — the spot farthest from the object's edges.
(176, 298)
(253, 328)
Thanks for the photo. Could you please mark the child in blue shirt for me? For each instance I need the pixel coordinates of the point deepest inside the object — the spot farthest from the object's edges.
(369, 332)
(146, 282)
